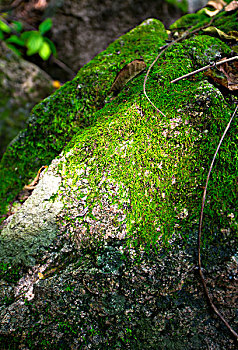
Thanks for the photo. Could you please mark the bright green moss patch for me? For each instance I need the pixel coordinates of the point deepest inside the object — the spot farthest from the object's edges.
(128, 175)
(226, 22)
(54, 121)
(190, 20)
(160, 163)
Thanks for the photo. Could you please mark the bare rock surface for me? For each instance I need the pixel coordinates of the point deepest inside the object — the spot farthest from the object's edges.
(34, 226)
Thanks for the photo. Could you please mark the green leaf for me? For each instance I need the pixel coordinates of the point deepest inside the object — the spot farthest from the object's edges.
(17, 26)
(4, 27)
(14, 49)
(25, 36)
(45, 26)
(45, 51)
(34, 43)
(15, 40)
(52, 46)
(1, 35)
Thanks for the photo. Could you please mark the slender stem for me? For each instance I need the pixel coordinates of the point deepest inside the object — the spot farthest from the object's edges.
(204, 68)
(200, 234)
(63, 66)
(145, 80)
(185, 35)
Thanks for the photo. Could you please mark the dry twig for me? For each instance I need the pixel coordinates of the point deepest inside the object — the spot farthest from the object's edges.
(200, 234)
(204, 68)
(185, 35)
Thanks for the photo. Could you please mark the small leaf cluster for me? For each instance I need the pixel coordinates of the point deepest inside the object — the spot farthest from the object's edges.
(29, 42)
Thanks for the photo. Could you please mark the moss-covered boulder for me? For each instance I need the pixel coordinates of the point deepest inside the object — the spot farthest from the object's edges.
(102, 254)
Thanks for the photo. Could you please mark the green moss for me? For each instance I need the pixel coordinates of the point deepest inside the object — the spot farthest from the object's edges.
(9, 273)
(161, 163)
(226, 22)
(190, 20)
(54, 121)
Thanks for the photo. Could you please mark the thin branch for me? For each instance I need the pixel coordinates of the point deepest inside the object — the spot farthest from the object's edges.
(63, 66)
(183, 36)
(205, 190)
(200, 234)
(204, 68)
(145, 80)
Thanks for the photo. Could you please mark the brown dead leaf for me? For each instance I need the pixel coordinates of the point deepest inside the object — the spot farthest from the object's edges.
(217, 4)
(33, 184)
(232, 35)
(232, 6)
(231, 73)
(229, 76)
(235, 48)
(128, 72)
(209, 12)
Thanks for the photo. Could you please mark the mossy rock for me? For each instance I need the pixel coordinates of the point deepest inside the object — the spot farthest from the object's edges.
(54, 121)
(130, 143)
(128, 188)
